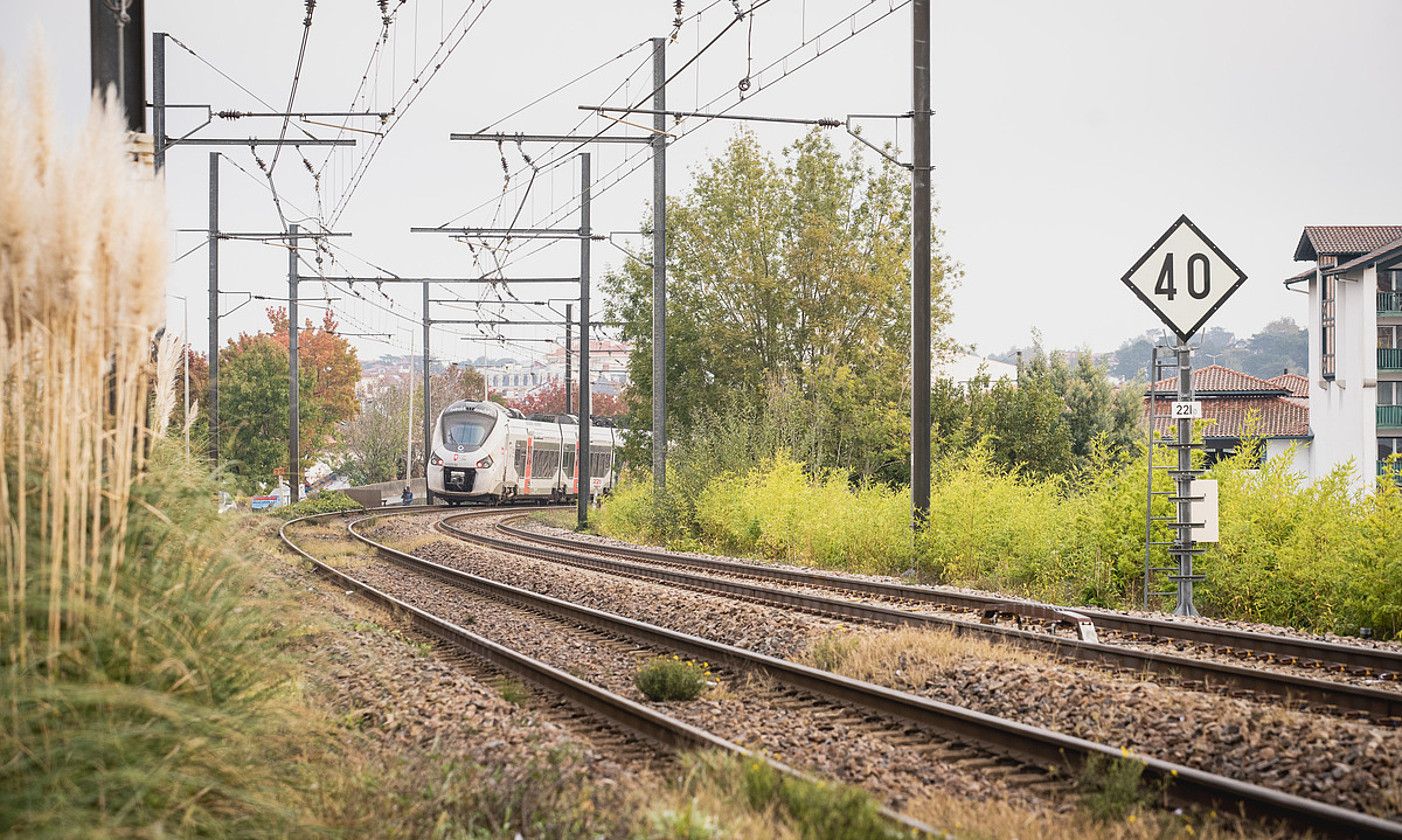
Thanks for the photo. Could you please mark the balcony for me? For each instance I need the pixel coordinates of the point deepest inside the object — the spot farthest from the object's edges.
(1390, 303)
(1390, 416)
(1389, 358)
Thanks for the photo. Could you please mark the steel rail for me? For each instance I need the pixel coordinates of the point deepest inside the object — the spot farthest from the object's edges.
(1042, 747)
(1372, 701)
(636, 717)
(1383, 663)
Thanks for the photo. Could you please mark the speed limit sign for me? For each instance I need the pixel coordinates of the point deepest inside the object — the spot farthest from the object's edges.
(1184, 278)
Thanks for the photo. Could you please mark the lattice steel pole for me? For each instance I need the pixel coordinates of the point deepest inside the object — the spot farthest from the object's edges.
(1184, 547)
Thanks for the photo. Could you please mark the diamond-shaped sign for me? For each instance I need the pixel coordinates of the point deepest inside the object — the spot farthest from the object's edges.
(1184, 278)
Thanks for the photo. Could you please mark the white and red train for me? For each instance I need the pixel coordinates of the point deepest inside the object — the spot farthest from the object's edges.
(484, 452)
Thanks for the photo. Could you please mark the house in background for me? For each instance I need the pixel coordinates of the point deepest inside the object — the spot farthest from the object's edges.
(1235, 406)
(1355, 353)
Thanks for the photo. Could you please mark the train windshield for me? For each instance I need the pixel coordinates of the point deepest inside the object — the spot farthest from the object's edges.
(466, 429)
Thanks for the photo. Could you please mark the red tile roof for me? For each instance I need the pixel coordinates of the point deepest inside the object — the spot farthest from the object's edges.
(1216, 379)
(1338, 240)
(1297, 385)
(1227, 417)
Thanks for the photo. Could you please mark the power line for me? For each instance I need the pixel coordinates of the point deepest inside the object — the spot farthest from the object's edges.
(296, 79)
(416, 88)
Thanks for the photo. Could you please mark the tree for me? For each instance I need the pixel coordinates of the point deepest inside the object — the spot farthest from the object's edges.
(330, 355)
(1280, 345)
(793, 270)
(1056, 418)
(253, 404)
(550, 399)
(373, 444)
(253, 398)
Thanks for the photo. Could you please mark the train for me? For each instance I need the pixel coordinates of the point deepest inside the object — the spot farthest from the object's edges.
(485, 452)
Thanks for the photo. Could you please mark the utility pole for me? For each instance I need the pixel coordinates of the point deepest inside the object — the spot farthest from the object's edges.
(569, 351)
(212, 409)
(294, 459)
(585, 485)
(116, 37)
(158, 99)
(185, 305)
(409, 430)
(659, 266)
(428, 399)
(920, 272)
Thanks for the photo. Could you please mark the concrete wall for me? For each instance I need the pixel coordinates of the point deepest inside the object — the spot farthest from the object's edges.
(376, 495)
(1343, 412)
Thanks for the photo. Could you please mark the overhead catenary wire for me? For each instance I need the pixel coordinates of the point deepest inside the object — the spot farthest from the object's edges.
(411, 93)
(296, 80)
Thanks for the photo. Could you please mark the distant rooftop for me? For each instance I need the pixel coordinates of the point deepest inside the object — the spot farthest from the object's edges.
(1217, 380)
(1344, 240)
(1297, 385)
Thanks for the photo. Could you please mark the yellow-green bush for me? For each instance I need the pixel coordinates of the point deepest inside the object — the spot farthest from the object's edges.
(778, 511)
(1315, 555)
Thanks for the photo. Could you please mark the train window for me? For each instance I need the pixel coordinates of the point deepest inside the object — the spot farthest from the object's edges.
(520, 457)
(569, 462)
(463, 430)
(544, 460)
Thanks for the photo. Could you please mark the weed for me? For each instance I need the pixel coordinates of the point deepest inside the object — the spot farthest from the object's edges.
(513, 691)
(664, 679)
(832, 650)
(685, 823)
(1112, 788)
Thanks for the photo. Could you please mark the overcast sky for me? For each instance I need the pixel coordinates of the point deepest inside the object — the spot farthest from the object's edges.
(1067, 136)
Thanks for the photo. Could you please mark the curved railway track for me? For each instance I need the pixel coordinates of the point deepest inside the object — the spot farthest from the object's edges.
(1029, 745)
(591, 700)
(1381, 705)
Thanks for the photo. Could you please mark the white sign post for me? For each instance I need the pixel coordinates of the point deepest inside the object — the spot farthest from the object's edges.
(1184, 278)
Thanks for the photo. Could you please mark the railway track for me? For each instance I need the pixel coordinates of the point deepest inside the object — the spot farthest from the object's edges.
(1310, 653)
(1029, 745)
(626, 717)
(1382, 706)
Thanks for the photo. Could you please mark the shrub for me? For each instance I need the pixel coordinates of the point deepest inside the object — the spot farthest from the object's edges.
(331, 501)
(1315, 555)
(664, 679)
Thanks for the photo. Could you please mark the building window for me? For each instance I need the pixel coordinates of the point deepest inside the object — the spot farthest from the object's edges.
(1387, 446)
(1389, 337)
(1390, 393)
(1326, 325)
(1390, 281)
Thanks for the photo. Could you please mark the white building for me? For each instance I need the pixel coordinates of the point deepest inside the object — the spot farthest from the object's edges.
(1355, 352)
(964, 368)
(513, 379)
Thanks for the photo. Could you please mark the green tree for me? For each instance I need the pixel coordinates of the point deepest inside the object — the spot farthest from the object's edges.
(373, 444)
(253, 405)
(786, 272)
(1280, 345)
(253, 398)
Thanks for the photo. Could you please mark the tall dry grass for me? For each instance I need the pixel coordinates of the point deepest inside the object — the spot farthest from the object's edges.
(82, 268)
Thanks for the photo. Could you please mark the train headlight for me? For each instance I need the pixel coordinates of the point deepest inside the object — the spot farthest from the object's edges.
(436, 461)
(484, 463)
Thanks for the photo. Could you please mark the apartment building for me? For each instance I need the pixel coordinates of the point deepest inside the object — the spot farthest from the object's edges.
(1355, 356)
